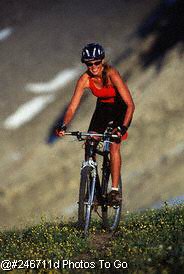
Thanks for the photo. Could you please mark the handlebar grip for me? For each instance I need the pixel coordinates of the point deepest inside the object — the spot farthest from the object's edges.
(74, 133)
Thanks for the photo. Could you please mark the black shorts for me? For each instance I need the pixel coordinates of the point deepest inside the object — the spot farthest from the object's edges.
(105, 113)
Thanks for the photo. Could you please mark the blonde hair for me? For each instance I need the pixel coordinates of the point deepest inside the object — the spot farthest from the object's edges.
(104, 74)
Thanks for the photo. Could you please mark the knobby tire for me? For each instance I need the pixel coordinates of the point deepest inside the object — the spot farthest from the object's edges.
(85, 196)
(111, 215)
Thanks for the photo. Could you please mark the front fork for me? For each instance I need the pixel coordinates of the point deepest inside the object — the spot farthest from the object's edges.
(93, 165)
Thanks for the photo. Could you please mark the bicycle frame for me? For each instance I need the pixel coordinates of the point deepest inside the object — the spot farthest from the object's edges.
(90, 179)
(92, 150)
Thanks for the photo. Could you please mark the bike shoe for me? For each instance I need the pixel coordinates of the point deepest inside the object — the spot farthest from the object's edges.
(114, 197)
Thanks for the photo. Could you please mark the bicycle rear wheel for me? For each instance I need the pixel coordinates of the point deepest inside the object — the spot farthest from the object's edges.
(111, 215)
(86, 196)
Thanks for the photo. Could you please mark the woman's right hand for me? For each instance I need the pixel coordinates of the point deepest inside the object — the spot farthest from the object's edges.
(60, 130)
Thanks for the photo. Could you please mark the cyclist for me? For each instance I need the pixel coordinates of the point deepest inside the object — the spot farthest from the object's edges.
(114, 103)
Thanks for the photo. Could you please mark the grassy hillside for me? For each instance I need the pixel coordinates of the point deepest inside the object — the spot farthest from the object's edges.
(147, 242)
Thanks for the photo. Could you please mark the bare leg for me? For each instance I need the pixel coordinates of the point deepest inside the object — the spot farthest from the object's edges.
(115, 159)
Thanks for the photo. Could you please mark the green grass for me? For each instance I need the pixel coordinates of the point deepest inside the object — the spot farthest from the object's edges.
(150, 242)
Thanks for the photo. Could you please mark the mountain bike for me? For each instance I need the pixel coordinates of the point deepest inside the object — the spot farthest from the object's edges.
(93, 191)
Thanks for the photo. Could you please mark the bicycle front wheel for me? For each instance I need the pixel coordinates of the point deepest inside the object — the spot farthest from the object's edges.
(86, 196)
(111, 215)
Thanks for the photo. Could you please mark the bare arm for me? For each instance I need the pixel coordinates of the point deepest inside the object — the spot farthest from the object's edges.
(125, 94)
(75, 100)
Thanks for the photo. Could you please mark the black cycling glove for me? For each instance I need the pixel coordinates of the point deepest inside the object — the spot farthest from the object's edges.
(60, 128)
(122, 129)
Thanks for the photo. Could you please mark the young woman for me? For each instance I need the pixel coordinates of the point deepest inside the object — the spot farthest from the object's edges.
(114, 103)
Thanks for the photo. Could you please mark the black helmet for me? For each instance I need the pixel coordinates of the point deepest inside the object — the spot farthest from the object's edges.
(92, 51)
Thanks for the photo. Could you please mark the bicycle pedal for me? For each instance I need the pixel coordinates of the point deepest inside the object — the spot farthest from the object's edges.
(85, 203)
(114, 204)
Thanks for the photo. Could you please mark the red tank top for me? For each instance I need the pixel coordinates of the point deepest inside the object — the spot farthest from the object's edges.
(105, 94)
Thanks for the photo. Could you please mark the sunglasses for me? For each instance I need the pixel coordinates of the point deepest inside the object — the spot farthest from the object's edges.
(89, 64)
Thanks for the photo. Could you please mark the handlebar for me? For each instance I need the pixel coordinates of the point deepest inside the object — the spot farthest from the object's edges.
(80, 134)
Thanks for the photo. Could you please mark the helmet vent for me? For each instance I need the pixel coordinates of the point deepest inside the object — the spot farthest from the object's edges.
(87, 51)
(94, 50)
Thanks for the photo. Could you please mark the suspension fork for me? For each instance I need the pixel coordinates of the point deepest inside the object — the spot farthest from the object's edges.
(90, 160)
(93, 165)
